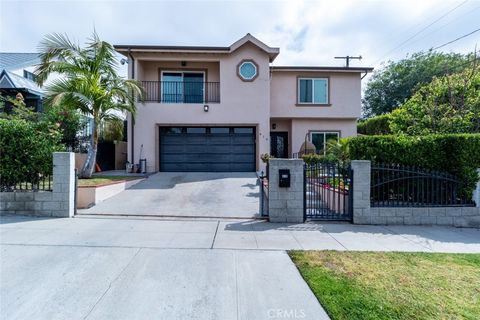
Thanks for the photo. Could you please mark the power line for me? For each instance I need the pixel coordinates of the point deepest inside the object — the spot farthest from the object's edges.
(455, 40)
(447, 24)
(423, 29)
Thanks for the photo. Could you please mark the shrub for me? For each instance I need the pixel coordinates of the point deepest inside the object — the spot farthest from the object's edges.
(336, 151)
(69, 122)
(458, 154)
(449, 104)
(375, 125)
(26, 150)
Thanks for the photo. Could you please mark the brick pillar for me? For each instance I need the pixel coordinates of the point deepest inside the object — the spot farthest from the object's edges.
(361, 191)
(63, 197)
(476, 192)
(286, 204)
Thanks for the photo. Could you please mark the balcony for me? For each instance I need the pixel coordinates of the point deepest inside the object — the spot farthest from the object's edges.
(181, 91)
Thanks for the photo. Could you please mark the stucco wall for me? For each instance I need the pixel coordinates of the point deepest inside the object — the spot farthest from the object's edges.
(241, 103)
(151, 69)
(300, 127)
(344, 93)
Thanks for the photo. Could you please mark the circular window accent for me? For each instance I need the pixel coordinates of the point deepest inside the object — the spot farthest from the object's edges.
(247, 70)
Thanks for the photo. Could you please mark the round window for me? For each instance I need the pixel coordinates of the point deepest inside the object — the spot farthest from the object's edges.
(247, 70)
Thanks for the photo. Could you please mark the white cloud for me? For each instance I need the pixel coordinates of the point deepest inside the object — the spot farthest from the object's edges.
(307, 32)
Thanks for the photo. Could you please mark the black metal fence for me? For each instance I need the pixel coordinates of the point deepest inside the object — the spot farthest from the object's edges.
(181, 91)
(328, 191)
(40, 183)
(407, 186)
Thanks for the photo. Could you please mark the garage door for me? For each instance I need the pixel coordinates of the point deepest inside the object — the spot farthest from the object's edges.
(207, 149)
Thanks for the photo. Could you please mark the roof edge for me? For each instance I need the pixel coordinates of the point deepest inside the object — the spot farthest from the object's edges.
(321, 68)
(271, 51)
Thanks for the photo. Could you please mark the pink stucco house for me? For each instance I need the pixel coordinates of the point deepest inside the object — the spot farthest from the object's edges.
(220, 108)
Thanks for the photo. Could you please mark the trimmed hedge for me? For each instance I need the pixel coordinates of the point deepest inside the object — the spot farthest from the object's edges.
(458, 154)
(26, 150)
(375, 126)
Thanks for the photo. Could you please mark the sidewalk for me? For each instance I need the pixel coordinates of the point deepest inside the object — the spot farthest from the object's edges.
(234, 234)
(118, 268)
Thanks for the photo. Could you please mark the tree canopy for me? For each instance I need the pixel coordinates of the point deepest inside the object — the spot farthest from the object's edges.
(449, 104)
(89, 82)
(393, 84)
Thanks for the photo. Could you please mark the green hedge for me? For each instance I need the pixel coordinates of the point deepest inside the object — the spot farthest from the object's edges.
(458, 154)
(375, 126)
(26, 150)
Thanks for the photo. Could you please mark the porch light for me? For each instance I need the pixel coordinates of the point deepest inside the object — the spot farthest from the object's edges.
(205, 108)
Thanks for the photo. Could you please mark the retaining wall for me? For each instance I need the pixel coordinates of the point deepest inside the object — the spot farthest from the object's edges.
(56, 203)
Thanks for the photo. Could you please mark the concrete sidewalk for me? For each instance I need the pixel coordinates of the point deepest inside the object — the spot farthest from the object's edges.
(126, 269)
(117, 268)
(234, 234)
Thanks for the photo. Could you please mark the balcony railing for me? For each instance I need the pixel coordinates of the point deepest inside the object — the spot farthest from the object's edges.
(181, 91)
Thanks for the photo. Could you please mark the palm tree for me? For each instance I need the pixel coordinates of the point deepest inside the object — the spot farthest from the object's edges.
(88, 82)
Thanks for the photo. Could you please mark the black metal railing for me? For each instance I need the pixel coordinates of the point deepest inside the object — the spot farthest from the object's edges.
(40, 183)
(327, 191)
(181, 91)
(407, 186)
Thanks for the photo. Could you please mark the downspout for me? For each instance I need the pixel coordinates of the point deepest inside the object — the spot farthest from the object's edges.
(132, 123)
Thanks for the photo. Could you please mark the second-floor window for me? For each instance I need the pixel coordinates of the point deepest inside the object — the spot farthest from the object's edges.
(183, 87)
(313, 91)
(29, 75)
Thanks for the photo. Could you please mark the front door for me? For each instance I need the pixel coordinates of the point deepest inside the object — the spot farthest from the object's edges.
(279, 144)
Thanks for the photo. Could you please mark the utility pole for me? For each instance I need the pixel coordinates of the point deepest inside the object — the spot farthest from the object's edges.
(348, 58)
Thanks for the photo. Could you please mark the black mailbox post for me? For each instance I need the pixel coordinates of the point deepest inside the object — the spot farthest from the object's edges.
(284, 178)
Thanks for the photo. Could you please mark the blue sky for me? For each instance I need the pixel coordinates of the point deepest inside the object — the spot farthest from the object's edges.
(307, 32)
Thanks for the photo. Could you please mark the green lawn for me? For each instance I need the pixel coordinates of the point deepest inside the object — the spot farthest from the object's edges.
(368, 285)
(104, 180)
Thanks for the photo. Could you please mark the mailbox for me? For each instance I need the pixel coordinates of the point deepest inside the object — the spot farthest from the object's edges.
(284, 178)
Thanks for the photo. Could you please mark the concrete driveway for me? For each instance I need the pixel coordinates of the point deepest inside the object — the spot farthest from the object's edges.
(187, 194)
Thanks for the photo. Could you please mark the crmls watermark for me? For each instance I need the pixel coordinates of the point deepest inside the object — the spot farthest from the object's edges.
(286, 314)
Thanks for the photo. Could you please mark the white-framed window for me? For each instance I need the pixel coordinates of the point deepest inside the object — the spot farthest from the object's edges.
(183, 86)
(247, 70)
(312, 91)
(321, 139)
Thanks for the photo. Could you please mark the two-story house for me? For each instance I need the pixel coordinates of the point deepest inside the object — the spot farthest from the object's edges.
(220, 108)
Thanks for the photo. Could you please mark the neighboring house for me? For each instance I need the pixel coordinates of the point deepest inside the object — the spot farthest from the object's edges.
(220, 108)
(16, 76)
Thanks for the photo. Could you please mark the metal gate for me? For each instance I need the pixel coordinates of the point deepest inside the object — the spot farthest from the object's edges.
(328, 193)
(263, 190)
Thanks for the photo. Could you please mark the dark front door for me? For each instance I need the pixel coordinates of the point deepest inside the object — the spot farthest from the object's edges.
(279, 144)
(207, 149)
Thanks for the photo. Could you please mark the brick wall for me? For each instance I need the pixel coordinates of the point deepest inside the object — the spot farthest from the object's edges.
(56, 203)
